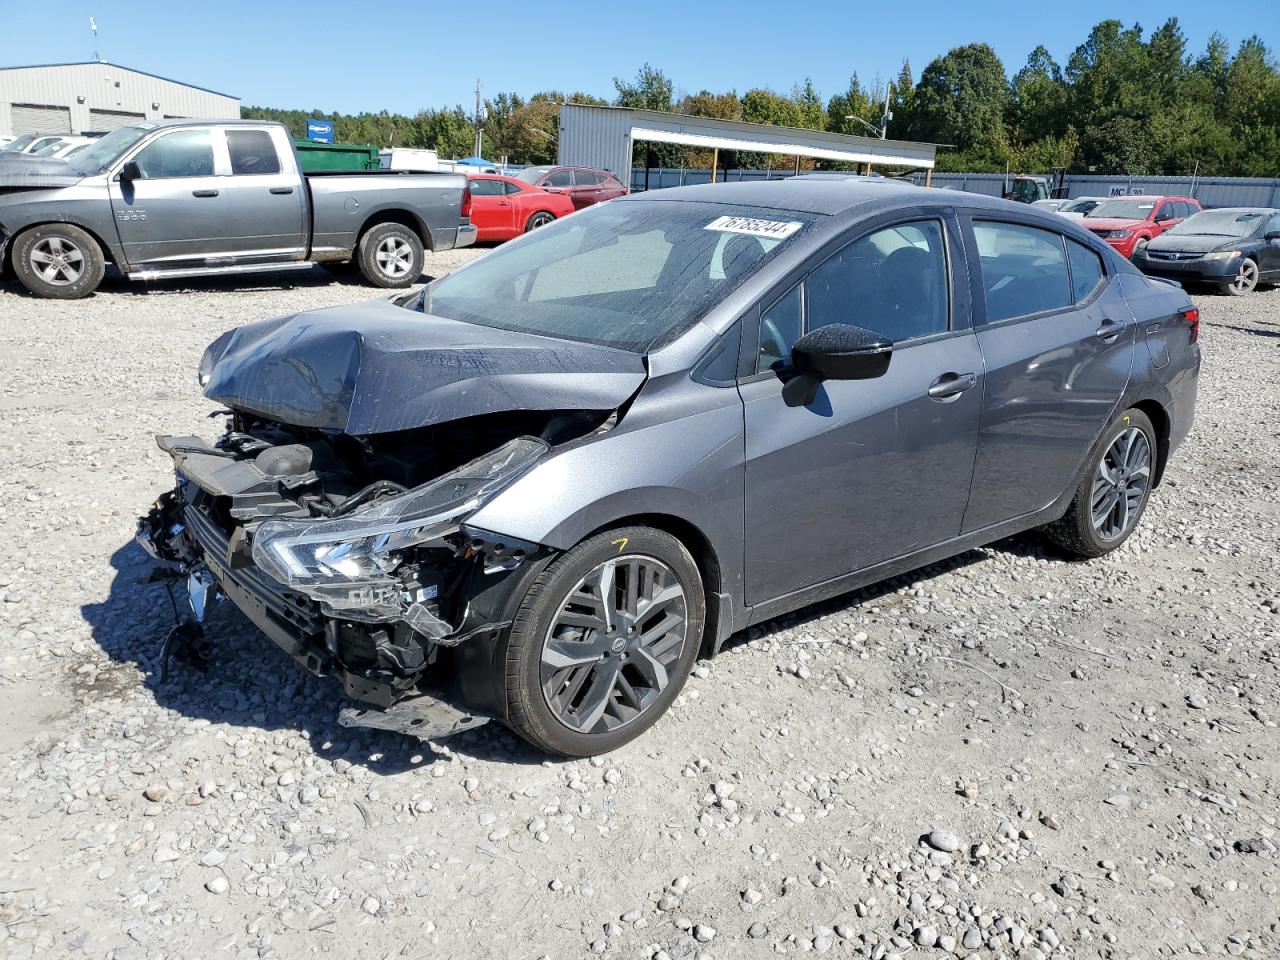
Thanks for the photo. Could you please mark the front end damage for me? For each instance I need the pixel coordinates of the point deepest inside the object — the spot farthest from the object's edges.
(354, 555)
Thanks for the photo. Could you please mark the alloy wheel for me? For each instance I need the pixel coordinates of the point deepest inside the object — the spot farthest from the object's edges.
(394, 257)
(610, 649)
(57, 261)
(1246, 277)
(1121, 484)
(538, 220)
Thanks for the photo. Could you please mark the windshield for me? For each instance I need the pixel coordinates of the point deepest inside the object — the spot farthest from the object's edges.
(1123, 209)
(1079, 206)
(532, 174)
(627, 275)
(47, 149)
(103, 151)
(20, 143)
(1220, 223)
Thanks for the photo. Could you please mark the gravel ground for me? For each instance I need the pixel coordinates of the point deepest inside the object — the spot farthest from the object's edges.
(1006, 755)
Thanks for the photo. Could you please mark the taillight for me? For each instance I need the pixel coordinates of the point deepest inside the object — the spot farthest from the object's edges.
(1192, 317)
(466, 203)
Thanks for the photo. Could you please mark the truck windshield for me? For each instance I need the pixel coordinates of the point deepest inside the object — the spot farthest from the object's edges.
(629, 275)
(101, 153)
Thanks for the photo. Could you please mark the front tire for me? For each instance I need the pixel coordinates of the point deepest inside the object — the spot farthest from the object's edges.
(1114, 492)
(390, 255)
(603, 642)
(1245, 280)
(58, 261)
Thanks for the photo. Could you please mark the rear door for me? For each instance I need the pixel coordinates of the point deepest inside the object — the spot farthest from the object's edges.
(175, 214)
(1058, 339)
(1269, 255)
(263, 193)
(868, 470)
(586, 188)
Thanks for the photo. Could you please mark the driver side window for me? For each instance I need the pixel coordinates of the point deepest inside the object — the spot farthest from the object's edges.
(183, 153)
(892, 281)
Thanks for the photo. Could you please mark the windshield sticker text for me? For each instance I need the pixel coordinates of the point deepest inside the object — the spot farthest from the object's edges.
(753, 227)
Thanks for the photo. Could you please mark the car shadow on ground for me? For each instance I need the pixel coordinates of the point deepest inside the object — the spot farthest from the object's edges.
(316, 276)
(1250, 331)
(250, 683)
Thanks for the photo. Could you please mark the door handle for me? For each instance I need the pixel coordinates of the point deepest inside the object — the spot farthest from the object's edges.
(949, 386)
(281, 190)
(204, 193)
(1109, 332)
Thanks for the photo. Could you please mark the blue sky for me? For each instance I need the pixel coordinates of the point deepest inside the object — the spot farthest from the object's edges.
(381, 54)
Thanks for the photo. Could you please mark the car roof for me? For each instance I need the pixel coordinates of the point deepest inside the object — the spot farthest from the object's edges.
(824, 195)
(1261, 211)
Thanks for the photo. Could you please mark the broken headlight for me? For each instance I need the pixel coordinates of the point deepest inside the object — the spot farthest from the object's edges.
(349, 563)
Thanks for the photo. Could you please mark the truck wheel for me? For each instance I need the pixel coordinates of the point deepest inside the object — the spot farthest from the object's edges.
(390, 255)
(539, 219)
(603, 642)
(58, 261)
(1114, 491)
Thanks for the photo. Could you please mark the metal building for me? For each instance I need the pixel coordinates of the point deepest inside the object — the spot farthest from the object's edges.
(76, 97)
(603, 137)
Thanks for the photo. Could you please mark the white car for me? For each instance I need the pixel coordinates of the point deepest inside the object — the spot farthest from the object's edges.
(60, 147)
(1079, 207)
(1053, 205)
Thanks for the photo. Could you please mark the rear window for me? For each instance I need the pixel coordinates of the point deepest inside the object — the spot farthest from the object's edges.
(252, 152)
(1024, 270)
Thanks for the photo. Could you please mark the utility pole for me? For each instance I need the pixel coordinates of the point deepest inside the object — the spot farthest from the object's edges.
(479, 144)
(886, 116)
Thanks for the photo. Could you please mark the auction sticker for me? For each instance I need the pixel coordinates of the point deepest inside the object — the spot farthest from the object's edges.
(753, 227)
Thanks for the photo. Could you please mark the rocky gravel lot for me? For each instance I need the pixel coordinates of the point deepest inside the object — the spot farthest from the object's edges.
(1006, 755)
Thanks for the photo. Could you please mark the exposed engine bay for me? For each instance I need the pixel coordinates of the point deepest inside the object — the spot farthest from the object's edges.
(354, 555)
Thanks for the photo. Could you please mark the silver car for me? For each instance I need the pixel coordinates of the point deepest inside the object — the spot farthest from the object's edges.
(540, 488)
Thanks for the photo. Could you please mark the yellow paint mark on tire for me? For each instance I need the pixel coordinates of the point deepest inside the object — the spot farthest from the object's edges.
(621, 543)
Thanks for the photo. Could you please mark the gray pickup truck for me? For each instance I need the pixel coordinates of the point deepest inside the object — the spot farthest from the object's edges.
(185, 198)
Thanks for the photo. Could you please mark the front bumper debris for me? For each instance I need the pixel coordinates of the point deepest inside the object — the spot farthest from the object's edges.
(422, 716)
(396, 657)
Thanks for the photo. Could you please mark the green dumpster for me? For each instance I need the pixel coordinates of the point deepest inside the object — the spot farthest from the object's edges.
(335, 156)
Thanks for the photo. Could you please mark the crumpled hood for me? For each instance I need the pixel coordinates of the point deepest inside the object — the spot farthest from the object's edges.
(375, 367)
(1194, 243)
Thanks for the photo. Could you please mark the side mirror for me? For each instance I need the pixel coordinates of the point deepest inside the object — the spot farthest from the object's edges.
(130, 172)
(1272, 235)
(841, 351)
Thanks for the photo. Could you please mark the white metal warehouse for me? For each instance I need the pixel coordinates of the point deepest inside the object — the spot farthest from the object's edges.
(604, 137)
(77, 97)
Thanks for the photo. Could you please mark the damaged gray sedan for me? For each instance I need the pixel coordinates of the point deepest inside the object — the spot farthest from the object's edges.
(537, 490)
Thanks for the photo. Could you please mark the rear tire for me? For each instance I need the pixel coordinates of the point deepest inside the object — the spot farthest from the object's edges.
(603, 642)
(1114, 491)
(539, 219)
(390, 255)
(58, 261)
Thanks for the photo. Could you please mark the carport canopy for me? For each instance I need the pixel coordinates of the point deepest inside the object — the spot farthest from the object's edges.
(603, 137)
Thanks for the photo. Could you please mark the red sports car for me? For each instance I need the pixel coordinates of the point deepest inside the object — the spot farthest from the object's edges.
(581, 184)
(504, 207)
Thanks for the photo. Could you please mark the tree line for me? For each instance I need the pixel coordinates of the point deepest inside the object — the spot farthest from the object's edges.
(1123, 103)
